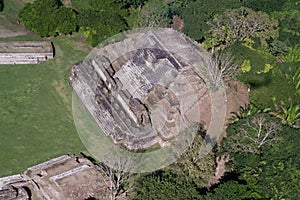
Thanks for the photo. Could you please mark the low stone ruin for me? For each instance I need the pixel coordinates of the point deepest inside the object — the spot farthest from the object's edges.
(26, 52)
(71, 177)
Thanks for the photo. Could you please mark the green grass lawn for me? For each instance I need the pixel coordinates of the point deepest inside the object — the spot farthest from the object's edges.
(36, 121)
(10, 8)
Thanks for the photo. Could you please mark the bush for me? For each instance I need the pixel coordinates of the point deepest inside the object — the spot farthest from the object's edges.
(265, 174)
(48, 18)
(278, 47)
(164, 186)
(1, 5)
(101, 21)
(197, 13)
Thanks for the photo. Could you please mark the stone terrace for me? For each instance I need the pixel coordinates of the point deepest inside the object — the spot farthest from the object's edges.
(25, 52)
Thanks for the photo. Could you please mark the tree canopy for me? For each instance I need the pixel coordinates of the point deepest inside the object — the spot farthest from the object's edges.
(265, 172)
(48, 18)
(262, 35)
(197, 14)
(1, 5)
(164, 185)
(240, 24)
(101, 22)
(155, 13)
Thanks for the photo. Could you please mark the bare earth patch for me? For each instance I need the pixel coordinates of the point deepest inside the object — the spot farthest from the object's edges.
(8, 29)
(220, 170)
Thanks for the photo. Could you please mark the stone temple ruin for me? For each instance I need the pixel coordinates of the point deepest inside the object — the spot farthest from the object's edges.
(142, 90)
(29, 52)
(65, 177)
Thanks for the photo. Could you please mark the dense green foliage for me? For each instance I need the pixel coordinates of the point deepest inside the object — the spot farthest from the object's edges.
(197, 14)
(193, 166)
(265, 173)
(232, 190)
(131, 3)
(101, 21)
(164, 185)
(239, 25)
(264, 5)
(269, 59)
(98, 19)
(269, 80)
(1, 5)
(48, 18)
(155, 13)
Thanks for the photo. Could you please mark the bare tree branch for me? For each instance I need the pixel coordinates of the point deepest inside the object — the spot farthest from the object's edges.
(222, 68)
(116, 177)
(255, 133)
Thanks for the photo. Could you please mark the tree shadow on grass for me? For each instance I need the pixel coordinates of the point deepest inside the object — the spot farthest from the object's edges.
(259, 81)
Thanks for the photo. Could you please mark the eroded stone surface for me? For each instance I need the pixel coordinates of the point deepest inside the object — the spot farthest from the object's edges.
(25, 52)
(144, 90)
(70, 177)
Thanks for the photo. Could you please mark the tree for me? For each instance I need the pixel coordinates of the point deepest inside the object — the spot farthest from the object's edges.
(266, 6)
(255, 132)
(265, 174)
(278, 47)
(155, 13)
(196, 14)
(66, 21)
(1, 5)
(164, 185)
(116, 177)
(281, 163)
(47, 18)
(232, 190)
(240, 24)
(287, 14)
(222, 67)
(193, 165)
(131, 3)
(101, 22)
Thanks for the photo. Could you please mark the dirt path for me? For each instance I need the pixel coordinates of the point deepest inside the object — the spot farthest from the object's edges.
(9, 26)
(9, 29)
(4, 32)
(220, 170)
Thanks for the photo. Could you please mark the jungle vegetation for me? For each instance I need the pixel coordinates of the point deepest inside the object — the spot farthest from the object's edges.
(262, 141)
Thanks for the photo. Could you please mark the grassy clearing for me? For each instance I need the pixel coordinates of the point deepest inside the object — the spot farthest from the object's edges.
(36, 121)
(80, 4)
(11, 8)
(9, 26)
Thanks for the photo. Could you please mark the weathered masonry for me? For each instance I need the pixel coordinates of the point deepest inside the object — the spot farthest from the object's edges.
(143, 91)
(146, 89)
(25, 52)
(64, 177)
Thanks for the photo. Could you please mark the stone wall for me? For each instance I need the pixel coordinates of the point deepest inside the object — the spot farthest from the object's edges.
(25, 52)
(65, 177)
